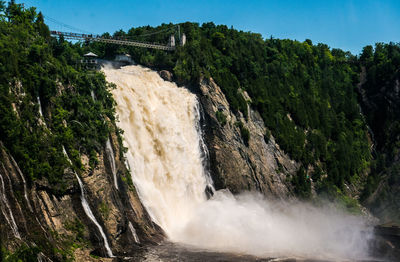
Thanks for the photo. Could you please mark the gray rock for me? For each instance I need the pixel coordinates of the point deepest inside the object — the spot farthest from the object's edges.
(259, 166)
(166, 75)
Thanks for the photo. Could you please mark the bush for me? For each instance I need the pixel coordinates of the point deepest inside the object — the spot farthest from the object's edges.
(244, 132)
(221, 118)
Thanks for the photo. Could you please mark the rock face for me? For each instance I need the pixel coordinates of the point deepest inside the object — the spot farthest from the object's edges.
(31, 216)
(166, 75)
(381, 106)
(238, 164)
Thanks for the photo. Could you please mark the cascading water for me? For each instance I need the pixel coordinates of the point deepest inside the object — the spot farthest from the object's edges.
(24, 182)
(88, 211)
(5, 205)
(111, 160)
(133, 231)
(41, 118)
(93, 95)
(159, 122)
(40, 106)
(161, 130)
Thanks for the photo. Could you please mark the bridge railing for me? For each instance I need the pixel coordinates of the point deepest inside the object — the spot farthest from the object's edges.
(98, 38)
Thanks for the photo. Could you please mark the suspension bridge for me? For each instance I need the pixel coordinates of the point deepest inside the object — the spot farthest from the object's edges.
(87, 36)
(91, 37)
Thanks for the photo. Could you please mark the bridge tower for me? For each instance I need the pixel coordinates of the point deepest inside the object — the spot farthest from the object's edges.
(183, 40)
(171, 41)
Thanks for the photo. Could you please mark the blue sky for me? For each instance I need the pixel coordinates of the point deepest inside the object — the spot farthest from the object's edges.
(348, 25)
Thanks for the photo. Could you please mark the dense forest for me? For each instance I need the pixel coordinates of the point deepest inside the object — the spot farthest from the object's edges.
(35, 66)
(307, 94)
(380, 101)
(335, 113)
(46, 107)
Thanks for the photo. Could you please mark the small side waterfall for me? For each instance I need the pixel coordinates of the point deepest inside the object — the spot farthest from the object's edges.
(205, 155)
(133, 231)
(40, 106)
(24, 182)
(66, 155)
(126, 162)
(41, 118)
(111, 160)
(93, 95)
(88, 211)
(5, 205)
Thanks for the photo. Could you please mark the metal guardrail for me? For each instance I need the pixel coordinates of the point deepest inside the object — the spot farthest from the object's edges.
(90, 37)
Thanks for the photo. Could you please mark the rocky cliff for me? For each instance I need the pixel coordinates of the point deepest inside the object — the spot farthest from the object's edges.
(38, 220)
(240, 161)
(380, 101)
(37, 223)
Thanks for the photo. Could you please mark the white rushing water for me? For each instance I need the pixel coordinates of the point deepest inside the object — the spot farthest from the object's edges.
(88, 211)
(161, 130)
(111, 160)
(133, 231)
(8, 215)
(40, 106)
(41, 118)
(24, 182)
(93, 95)
(159, 124)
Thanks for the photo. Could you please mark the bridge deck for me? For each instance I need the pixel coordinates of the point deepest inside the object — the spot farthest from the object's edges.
(98, 38)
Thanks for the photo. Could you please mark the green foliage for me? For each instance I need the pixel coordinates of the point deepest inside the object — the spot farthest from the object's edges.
(23, 253)
(302, 184)
(305, 93)
(104, 210)
(380, 67)
(220, 117)
(77, 227)
(244, 132)
(350, 204)
(34, 65)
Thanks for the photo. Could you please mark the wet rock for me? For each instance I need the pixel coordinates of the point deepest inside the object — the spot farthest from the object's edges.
(166, 75)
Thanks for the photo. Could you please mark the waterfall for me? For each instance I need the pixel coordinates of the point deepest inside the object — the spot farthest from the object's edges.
(9, 217)
(111, 160)
(24, 182)
(41, 118)
(40, 106)
(133, 231)
(66, 155)
(93, 95)
(87, 209)
(109, 152)
(159, 121)
(166, 155)
(89, 213)
(203, 149)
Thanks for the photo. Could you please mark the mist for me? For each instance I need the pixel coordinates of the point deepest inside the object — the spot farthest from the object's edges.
(251, 224)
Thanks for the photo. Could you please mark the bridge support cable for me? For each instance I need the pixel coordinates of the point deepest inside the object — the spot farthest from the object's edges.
(91, 37)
